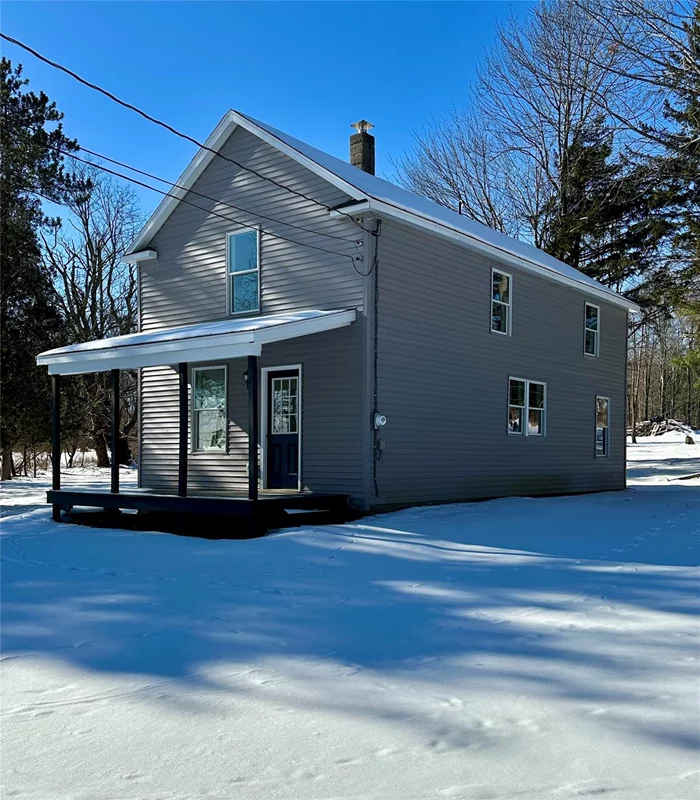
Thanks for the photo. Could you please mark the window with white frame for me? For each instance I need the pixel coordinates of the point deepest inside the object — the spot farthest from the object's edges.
(527, 407)
(501, 291)
(243, 271)
(602, 426)
(592, 330)
(209, 408)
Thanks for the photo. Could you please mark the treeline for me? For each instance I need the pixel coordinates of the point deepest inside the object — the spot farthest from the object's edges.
(663, 371)
(62, 281)
(581, 135)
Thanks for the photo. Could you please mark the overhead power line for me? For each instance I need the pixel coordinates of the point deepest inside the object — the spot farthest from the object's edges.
(165, 125)
(209, 197)
(101, 167)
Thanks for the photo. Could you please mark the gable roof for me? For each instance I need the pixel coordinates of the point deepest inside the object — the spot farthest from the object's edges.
(370, 193)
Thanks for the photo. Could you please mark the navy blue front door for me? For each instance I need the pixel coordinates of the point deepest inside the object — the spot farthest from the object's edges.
(283, 429)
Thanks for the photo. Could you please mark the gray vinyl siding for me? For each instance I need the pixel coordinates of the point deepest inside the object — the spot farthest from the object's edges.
(443, 379)
(331, 421)
(187, 285)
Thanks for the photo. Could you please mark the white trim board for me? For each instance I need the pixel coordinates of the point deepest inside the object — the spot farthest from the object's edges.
(373, 197)
(211, 341)
(481, 246)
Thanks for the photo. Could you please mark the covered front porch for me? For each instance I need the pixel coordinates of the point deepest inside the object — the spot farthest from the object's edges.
(250, 512)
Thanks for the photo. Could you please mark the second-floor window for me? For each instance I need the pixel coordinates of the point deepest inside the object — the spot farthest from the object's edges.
(501, 289)
(592, 330)
(243, 272)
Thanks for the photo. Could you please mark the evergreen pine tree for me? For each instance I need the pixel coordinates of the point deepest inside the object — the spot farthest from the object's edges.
(609, 220)
(31, 168)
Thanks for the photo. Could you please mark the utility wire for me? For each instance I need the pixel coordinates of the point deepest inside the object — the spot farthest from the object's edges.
(208, 197)
(208, 211)
(165, 125)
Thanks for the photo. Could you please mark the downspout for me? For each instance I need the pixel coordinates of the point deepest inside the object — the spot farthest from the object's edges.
(376, 451)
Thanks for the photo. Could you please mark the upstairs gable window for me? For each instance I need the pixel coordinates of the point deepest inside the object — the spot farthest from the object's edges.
(591, 330)
(243, 271)
(501, 291)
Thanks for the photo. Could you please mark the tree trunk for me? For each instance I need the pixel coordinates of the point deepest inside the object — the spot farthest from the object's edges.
(100, 440)
(7, 465)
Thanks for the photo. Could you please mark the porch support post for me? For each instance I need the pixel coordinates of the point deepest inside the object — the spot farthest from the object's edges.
(253, 427)
(56, 441)
(115, 433)
(182, 438)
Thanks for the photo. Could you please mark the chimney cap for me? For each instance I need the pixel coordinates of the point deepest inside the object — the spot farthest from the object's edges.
(362, 126)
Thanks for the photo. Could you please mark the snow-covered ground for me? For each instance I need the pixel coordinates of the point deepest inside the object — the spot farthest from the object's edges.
(520, 648)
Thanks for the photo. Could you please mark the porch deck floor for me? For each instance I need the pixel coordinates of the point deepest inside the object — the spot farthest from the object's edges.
(271, 509)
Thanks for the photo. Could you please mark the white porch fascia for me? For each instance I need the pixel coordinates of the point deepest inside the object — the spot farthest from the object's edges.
(213, 341)
(142, 255)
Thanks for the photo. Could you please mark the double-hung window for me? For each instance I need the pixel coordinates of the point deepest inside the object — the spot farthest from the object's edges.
(243, 271)
(209, 408)
(527, 407)
(591, 330)
(501, 295)
(602, 426)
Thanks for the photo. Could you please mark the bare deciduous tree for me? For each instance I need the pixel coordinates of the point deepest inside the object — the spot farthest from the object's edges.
(654, 56)
(96, 290)
(505, 158)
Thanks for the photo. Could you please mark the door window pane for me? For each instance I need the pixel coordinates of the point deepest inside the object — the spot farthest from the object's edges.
(285, 399)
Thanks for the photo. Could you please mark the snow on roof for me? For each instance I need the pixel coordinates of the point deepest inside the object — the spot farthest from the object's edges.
(382, 195)
(230, 338)
(386, 192)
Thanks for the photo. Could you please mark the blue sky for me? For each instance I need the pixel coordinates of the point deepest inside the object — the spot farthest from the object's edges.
(309, 69)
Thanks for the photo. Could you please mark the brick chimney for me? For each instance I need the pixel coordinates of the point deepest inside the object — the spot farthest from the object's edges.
(362, 146)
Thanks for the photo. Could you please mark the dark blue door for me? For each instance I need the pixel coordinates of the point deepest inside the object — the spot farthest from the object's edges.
(283, 430)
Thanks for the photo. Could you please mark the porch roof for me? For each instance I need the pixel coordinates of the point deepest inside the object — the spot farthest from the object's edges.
(211, 341)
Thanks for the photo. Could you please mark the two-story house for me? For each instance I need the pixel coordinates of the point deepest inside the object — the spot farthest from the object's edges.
(309, 332)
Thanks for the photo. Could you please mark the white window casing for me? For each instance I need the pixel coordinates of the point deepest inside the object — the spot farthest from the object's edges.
(209, 426)
(501, 302)
(591, 330)
(602, 427)
(243, 272)
(527, 407)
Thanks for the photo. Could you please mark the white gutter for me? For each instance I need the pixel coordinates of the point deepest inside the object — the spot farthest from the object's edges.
(194, 344)
(480, 245)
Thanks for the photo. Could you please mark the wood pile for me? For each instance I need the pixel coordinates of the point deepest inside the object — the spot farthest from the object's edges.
(656, 427)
